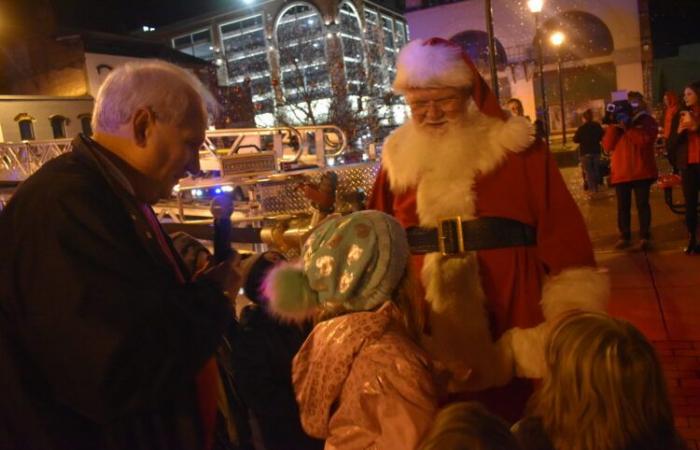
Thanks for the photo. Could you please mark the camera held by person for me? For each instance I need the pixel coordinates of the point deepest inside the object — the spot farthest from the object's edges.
(619, 112)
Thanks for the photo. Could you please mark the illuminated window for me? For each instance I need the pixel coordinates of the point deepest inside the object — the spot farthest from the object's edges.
(246, 51)
(301, 40)
(197, 44)
(353, 51)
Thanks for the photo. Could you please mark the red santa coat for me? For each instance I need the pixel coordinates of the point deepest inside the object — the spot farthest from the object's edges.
(522, 286)
(528, 187)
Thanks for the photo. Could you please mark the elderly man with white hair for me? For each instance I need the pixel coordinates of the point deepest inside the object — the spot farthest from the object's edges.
(106, 342)
(498, 240)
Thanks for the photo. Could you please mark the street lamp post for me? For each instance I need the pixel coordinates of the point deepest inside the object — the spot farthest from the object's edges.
(492, 48)
(557, 39)
(535, 7)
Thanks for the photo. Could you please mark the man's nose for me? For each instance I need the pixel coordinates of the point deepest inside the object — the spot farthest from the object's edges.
(434, 111)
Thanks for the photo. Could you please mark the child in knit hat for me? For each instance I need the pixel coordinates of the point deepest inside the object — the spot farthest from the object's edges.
(262, 352)
(360, 379)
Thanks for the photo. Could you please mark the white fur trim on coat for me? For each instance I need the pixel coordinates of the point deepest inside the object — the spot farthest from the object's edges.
(460, 336)
(443, 167)
(514, 135)
(431, 66)
(585, 288)
(579, 288)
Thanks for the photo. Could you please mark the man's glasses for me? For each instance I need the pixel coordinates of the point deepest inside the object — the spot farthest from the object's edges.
(448, 104)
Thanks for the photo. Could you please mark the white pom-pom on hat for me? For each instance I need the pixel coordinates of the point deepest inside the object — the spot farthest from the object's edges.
(423, 64)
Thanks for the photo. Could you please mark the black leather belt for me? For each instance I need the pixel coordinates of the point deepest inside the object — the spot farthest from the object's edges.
(452, 236)
(241, 235)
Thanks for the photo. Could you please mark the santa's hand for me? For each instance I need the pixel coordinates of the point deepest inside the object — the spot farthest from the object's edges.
(527, 345)
(453, 379)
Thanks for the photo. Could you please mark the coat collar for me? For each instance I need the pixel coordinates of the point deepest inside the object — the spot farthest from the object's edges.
(100, 159)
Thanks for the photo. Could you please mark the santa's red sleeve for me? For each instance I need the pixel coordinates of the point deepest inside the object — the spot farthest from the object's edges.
(572, 280)
(381, 197)
(563, 245)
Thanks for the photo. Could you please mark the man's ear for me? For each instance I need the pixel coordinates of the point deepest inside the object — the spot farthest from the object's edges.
(140, 122)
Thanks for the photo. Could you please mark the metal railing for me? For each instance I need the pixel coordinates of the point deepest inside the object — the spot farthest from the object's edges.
(18, 160)
(310, 144)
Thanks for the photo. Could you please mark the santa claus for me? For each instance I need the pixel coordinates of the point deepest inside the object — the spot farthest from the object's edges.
(501, 246)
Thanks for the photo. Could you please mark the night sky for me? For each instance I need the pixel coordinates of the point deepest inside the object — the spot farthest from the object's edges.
(674, 22)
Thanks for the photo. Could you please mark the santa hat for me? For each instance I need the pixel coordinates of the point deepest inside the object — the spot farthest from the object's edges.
(437, 63)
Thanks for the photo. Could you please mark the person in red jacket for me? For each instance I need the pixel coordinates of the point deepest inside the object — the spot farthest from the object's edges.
(500, 244)
(630, 142)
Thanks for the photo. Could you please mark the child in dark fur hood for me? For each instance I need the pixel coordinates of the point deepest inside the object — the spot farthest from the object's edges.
(262, 358)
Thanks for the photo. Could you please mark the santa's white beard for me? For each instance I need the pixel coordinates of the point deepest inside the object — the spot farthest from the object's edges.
(446, 163)
(440, 149)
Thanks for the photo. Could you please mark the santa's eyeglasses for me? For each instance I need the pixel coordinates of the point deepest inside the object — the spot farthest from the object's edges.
(447, 104)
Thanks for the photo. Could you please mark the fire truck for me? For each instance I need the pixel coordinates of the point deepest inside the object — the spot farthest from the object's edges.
(281, 181)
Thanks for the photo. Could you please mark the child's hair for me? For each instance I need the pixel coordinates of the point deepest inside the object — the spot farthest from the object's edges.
(468, 426)
(604, 388)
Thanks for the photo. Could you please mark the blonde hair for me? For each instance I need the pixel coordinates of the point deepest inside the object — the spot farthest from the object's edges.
(468, 426)
(604, 389)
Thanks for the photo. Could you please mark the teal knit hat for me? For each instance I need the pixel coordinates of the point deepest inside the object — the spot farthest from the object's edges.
(351, 262)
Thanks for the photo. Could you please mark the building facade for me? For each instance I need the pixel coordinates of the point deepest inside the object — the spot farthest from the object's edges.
(304, 61)
(53, 84)
(43, 117)
(606, 52)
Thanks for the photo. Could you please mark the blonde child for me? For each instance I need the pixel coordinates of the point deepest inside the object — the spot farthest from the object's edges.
(604, 390)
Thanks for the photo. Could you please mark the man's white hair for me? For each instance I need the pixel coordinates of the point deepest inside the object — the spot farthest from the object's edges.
(166, 88)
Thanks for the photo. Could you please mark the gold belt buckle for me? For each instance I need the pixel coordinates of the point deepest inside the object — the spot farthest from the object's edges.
(442, 238)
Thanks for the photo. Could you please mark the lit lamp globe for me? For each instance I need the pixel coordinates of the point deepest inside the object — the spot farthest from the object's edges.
(557, 38)
(535, 6)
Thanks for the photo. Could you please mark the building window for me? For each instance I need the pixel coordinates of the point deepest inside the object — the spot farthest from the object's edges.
(353, 51)
(58, 126)
(377, 75)
(26, 126)
(197, 44)
(246, 51)
(301, 40)
(85, 124)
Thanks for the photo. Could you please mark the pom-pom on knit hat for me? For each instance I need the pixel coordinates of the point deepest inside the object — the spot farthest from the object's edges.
(352, 263)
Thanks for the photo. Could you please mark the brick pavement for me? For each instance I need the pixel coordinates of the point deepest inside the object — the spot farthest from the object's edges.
(658, 291)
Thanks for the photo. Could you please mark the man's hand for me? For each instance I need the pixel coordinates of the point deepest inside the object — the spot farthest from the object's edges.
(226, 275)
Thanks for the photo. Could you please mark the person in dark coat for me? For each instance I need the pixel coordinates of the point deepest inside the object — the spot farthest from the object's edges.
(262, 353)
(106, 342)
(684, 148)
(588, 136)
